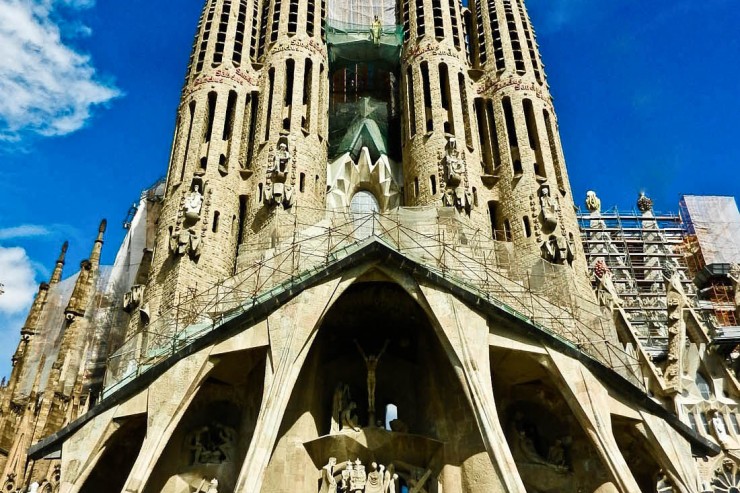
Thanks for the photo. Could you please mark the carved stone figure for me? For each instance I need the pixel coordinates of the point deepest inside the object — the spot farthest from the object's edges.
(349, 420)
(593, 204)
(676, 302)
(376, 31)
(340, 399)
(454, 167)
(193, 204)
(556, 454)
(132, 299)
(371, 362)
(34, 488)
(550, 208)
(277, 192)
(213, 487)
(557, 249)
(212, 445)
(718, 425)
(390, 480)
(328, 481)
(374, 480)
(357, 477)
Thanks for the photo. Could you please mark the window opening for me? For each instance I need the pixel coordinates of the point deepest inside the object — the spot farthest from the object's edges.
(275, 20)
(187, 142)
(507, 230)
(229, 119)
(433, 184)
(534, 137)
(310, 15)
(216, 216)
(531, 45)
(250, 140)
(493, 133)
(498, 47)
(485, 144)
(444, 90)
(439, 30)
(527, 227)
(241, 27)
(554, 151)
(288, 96)
(481, 46)
(454, 23)
(293, 17)
(412, 104)
(302, 182)
(212, 97)
(419, 18)
(516, 45)
(466, 110)
(271, 93)
(206, 36)
(427, 96)
(223, 26)
(307, 93)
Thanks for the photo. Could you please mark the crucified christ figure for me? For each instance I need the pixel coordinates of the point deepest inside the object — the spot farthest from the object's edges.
(372, 364)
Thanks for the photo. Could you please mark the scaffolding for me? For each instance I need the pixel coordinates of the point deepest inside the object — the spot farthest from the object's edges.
(712, 227)
(442, 245)
(639, 248)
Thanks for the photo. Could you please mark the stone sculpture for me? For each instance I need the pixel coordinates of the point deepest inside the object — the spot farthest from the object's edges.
(718, 425)
(349, 420)
(593, 204)
(557, 249)
(549, 209)
(277, 192)
(374, 482)
(372, 365)
(376, 31)
(676, 301)
(193, 204)
(340, 400)
(214, 444)
(453, 169)
(328, 481)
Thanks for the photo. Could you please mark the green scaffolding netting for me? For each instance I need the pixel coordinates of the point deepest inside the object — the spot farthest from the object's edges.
(354, 125)
(354, 43)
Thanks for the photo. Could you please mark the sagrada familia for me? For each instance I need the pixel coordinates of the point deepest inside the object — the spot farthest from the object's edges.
(365, 271)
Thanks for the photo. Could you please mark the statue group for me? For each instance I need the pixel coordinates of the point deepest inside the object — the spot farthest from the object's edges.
(352, 477)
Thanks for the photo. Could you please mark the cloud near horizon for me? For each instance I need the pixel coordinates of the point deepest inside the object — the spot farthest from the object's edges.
(46, 87)
(17, 276)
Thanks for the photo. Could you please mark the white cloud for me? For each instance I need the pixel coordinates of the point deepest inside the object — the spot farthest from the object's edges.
(46, 87)
(23, 231)
(17, 276)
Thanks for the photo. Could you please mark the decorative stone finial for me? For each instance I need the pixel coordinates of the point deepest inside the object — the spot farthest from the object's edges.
(103, 226)
(644, 203)
(593, 204)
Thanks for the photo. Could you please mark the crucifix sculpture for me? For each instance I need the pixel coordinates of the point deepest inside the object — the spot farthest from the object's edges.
(372, 365)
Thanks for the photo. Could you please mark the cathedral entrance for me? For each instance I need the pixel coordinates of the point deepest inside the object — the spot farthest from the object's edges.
(376, 352)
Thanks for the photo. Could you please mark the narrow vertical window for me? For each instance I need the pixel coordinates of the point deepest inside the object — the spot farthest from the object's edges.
(302, 182)
(293, 17)
(406, 21)
(216, 217)
(531, 45)
(310, 16)
(433, 184)
(516, 45)
(191, 114)
(527, 227)
(263, 29)
(323, 20)
(320, 99)
(444, 90)
(467, 33)
(412, 103)
(270, 97)
(243, 209)
(229, 119)
(492, 215)
(275, 21)
(483, 136)
(510, 123)
(307, 94)
(465, 110)
(261, 196)
(257, 37)
(427, 96)
(475, 197)
(454, 23)
(498, 46)
(251, 139)
(241, 27)
(493, 134)
(416, 187)
(211, 116)
(288, 96)
(223, 26)
(551, 137)
(420, 18)
(480, 30)
(206, 36)
(439, 30)
(534, 138)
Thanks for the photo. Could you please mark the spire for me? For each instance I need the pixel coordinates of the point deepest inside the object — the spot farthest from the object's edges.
(83, 290)
(98, 245)
(57, 275)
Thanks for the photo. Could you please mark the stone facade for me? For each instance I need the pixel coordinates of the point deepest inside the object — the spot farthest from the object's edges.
(364, 273)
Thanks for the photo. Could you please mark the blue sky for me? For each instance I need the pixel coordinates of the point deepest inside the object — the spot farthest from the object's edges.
(644, 92)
